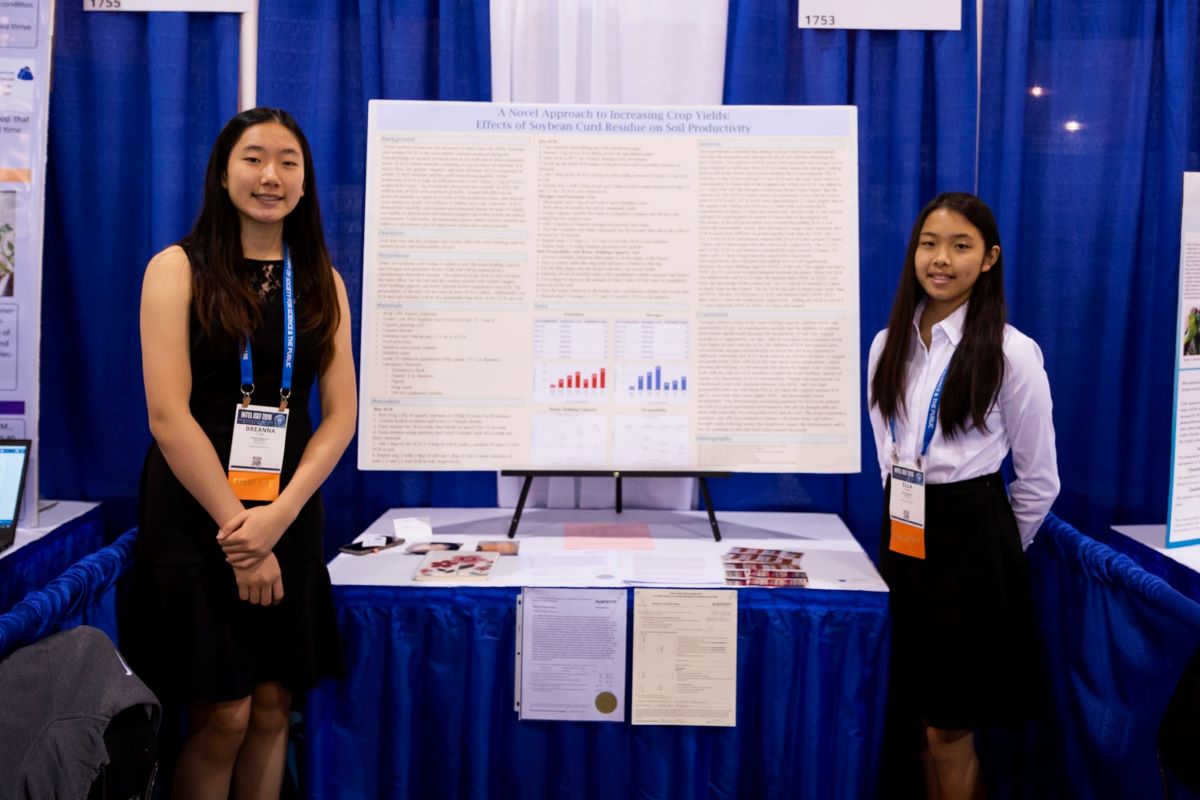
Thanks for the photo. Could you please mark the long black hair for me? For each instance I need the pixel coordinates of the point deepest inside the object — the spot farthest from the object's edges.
(977, 366)
(225, 302)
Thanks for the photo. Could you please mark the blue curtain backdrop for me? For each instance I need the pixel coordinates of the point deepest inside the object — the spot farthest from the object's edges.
(323, 60)
(1090, 221)
(916, 98)
(136, 102)
(1116, 640)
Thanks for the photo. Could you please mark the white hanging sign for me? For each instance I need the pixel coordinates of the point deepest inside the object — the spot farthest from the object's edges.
(234, 6)
(926, 15)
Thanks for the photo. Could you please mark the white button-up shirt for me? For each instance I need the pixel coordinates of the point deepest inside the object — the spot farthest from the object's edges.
(1019, 420)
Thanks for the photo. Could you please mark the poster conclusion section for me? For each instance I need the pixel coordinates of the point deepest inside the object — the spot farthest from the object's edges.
(624, 287)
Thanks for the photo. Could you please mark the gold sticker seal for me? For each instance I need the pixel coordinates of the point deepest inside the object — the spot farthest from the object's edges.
(606, 702)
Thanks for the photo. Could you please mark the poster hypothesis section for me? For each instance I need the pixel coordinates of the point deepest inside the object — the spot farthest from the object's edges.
(625, 287)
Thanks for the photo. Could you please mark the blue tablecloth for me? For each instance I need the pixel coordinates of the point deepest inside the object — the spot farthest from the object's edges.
(1179, 577)
(1115, 639)
(37, 563)
(84, 594)
(426, 709)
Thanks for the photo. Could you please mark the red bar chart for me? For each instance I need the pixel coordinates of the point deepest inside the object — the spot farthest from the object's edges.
(558, 382)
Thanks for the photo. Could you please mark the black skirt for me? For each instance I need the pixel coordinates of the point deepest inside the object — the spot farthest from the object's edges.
(964, 647)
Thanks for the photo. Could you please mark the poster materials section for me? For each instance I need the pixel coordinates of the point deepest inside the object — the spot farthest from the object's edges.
(1183, 516)
(636, 288)
(25, 29)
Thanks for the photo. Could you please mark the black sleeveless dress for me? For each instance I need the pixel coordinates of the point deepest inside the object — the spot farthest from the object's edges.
(193, 640)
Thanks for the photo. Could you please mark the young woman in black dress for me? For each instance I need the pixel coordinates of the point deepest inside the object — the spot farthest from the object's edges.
(233, 602)
(954, 389)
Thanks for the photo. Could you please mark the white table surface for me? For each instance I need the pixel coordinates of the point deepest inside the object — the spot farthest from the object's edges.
(832, 558)
(1155, 537)
(62, 512)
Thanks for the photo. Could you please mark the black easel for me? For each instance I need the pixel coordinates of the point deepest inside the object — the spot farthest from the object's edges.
(618, 475)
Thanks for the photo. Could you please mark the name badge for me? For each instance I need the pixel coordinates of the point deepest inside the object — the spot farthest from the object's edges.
(256, 457)
(907, 510)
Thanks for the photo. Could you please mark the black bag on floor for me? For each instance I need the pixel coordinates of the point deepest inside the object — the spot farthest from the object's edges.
(64, 701)
(1179, 734)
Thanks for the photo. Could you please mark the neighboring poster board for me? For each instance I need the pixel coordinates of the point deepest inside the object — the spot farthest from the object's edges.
(25, 30)
(626, 287)
(925, 15)
(1183, 513)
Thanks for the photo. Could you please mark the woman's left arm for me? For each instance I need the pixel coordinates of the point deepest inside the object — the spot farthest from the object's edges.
(250, 535)
(1027, 414)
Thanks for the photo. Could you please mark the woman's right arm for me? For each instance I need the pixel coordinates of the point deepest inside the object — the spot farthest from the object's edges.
(166, 371)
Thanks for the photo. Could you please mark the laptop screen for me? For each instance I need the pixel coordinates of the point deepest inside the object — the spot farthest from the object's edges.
(13, 458)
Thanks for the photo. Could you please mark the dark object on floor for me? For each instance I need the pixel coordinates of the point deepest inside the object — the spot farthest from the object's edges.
(63, 694)
(1179, 734)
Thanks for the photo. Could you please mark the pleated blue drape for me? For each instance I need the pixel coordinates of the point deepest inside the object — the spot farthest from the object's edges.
(427, 707)
(136, 102)
(84, 594)
(1090, 221)
(34, 565)
(323, 60)
(1115, 642)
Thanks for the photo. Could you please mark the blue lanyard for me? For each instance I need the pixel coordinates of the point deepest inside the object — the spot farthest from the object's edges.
(931, 418)
(289, 342)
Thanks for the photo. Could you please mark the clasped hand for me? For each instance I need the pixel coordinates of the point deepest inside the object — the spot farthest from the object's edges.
(262, 583)
(248, 537)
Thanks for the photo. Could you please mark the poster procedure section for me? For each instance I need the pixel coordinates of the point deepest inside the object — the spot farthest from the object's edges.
(24, 105)
(1183, 515)
(626, 287)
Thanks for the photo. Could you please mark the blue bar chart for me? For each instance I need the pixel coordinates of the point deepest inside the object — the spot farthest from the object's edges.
(653, 383)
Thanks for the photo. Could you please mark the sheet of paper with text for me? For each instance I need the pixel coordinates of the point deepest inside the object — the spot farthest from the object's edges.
(684, 657)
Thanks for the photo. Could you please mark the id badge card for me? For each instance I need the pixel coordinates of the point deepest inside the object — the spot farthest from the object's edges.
(907, 510)
(256, 457)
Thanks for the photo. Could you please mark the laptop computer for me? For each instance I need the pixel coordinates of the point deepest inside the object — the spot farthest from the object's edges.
(14, 461)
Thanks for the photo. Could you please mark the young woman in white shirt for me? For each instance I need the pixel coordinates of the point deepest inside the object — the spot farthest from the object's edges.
(952, 389)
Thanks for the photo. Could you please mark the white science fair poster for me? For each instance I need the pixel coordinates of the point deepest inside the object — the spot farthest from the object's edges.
(1183, 513)
(25, 35)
